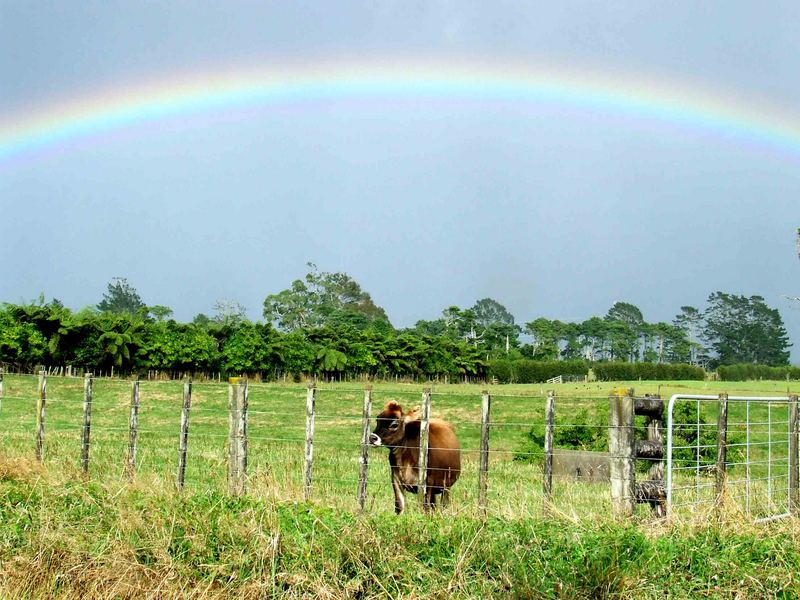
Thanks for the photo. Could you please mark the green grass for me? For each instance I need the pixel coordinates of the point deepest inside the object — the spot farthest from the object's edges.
(72, 539)
(277, 430)
(64, 536)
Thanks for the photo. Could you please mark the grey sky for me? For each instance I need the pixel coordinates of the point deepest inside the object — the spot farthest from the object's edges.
(554, 213)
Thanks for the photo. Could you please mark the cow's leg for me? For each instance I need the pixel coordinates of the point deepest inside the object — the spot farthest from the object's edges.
(399, 498)
(445, 497)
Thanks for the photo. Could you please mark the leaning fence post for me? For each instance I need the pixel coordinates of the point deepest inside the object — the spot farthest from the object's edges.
(87, 422)
(130, 466)
(794, 459)
(184, 439)
(483, 475)
(722, 446)
(311, 401)
(547, 478)
(424, 427)
(621, 448)
(364, 471)
(40, 412)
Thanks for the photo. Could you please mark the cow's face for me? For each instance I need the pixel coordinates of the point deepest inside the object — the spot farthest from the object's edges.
(390, 426)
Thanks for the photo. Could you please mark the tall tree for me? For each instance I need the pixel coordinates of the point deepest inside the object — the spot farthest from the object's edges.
(320, 299)
(690, 321)
(120, 298)
(490, 312)
(495, 324)
(625, 344)
(745, 330)
(593, 333)
(627, 313)
(545, 335)
(229, 313)
(666, 343)
(160, 312)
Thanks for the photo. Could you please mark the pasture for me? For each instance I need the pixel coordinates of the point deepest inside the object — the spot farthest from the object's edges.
(277, 429)
(66, 537)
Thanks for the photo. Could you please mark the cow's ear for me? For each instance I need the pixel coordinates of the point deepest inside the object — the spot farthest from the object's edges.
(413, 414)
(393, 407)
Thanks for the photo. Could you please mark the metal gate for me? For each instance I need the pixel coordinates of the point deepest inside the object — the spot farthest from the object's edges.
(757, 467)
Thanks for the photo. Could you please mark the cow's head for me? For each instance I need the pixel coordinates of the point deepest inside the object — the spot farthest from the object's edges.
(390, 426)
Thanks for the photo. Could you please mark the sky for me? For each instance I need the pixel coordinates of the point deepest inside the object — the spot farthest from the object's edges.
(556, 157)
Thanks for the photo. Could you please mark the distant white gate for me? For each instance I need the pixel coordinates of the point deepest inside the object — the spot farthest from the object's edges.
(760, 467)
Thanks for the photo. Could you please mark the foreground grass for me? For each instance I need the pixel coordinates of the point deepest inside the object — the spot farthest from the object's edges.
(61, 537)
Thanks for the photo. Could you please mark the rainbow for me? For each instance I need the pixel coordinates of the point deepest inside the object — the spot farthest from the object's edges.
(729, 117)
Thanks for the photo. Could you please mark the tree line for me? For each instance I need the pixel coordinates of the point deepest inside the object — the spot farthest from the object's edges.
(325, 324)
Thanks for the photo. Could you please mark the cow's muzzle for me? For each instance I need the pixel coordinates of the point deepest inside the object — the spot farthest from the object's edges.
(374, 439)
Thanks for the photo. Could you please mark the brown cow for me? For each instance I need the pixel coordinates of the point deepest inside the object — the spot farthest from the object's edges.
(400, 433)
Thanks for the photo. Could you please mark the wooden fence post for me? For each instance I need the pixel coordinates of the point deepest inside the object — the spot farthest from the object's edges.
(364, 466)
(483, 475)
(794, 459)
(722, 446)
(237, 436)
(130, 466)
(233, 421)
(87, 422)
(424, 428)
(184, 438)
(311, 401)
(241, 436)
(547, 476)
(40, 413)
(2, 389)
(621, 448)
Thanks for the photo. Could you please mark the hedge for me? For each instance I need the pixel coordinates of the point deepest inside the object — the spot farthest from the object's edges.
(745, 372)
(623, 371)
(534, 371)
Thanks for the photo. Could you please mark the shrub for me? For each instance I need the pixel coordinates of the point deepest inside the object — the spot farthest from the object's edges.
(685, 433)
(582, 434)
(534, 371)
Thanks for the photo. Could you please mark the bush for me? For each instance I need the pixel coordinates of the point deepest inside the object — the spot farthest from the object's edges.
(684, 433)
(624, 371)
(591, 433)
(745, 372)
(579, 435)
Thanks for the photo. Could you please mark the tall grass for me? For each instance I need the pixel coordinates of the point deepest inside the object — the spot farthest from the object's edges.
(64, 536)
(60, 537)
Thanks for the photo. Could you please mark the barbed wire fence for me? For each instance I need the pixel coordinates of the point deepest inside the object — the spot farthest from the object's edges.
(518, 451)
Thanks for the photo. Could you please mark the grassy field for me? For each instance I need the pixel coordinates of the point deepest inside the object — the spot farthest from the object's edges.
(64, 536)
(277, 429)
